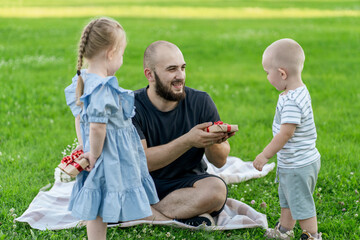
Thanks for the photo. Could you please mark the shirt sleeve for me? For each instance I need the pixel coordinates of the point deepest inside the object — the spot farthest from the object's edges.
(291, 113)
(209, 112)
(103, 102)
(70, 96)
(136, 120)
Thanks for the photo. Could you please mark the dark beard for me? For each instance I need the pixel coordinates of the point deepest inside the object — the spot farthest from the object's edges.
(166, 93)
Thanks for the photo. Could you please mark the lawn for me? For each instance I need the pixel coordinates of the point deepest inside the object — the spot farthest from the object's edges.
(222, 42)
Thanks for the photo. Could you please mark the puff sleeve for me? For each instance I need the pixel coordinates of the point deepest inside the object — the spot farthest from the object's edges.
(102, 103)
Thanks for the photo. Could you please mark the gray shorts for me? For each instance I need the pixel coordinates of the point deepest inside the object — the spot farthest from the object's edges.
(296, 188)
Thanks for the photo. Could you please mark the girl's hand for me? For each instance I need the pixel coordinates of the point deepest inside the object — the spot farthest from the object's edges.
(79, 147)
(260, 161)
(92, 160)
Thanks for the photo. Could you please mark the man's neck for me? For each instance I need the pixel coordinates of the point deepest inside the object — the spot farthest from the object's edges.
(160, 103)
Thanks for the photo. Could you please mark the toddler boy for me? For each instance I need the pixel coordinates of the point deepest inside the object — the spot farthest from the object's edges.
(294, 141)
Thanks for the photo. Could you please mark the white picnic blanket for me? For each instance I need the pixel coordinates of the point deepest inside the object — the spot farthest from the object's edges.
(48, 210)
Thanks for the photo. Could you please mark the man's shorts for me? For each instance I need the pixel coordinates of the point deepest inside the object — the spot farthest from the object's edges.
(166, 186)
(296, 188)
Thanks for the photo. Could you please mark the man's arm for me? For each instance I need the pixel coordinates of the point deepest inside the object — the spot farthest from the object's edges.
(161, 156)
(218, 153)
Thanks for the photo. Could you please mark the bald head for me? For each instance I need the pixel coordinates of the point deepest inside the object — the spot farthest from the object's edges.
(285, 53)
(155, 51)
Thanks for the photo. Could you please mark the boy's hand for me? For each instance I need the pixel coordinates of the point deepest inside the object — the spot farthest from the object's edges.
(260, 161)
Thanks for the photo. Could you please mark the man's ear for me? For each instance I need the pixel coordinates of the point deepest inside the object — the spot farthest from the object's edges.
(148, 75)
(283, 73)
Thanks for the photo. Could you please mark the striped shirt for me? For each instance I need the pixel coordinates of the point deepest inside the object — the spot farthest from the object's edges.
(300, 150)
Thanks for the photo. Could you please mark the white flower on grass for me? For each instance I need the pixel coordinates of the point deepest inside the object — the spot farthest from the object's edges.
(144, 230)
(14, 226)
(0, 153)
(168, 234)
(242, 199)
(319, 189)
(351, 173)
(14, 215)
(138, 236)
(252, 202)
(12, 210)
(356, 215)
(247, 185)
(51, 121)
(18, 156)
(245, 191)
(151, 231)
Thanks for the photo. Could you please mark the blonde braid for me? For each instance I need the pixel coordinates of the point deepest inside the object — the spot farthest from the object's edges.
(82, 44)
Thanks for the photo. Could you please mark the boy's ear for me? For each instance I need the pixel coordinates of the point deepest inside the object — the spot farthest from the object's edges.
(282, 73)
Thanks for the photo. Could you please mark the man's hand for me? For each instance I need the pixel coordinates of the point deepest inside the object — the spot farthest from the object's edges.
(228, 135)
(161, 156)
(260, 161)
(199, 138)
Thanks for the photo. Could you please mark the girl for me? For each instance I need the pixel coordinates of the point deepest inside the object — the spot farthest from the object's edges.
(117, 186)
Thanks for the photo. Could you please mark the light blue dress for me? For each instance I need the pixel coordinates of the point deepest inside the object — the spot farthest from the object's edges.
(119, 187)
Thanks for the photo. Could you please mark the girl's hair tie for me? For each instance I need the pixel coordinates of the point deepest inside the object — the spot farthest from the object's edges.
(78, 72)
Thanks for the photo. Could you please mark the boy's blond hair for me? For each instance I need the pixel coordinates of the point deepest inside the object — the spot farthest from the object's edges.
(286, 53)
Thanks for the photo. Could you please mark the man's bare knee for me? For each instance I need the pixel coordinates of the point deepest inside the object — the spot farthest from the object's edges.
(214, 192)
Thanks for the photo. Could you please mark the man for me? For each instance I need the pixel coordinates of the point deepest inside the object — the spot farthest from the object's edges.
(170, 119)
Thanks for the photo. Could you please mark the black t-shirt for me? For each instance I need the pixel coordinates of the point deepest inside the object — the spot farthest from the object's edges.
(160, 128)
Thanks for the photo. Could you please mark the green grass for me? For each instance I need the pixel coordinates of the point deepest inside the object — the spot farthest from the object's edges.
(38, 58)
